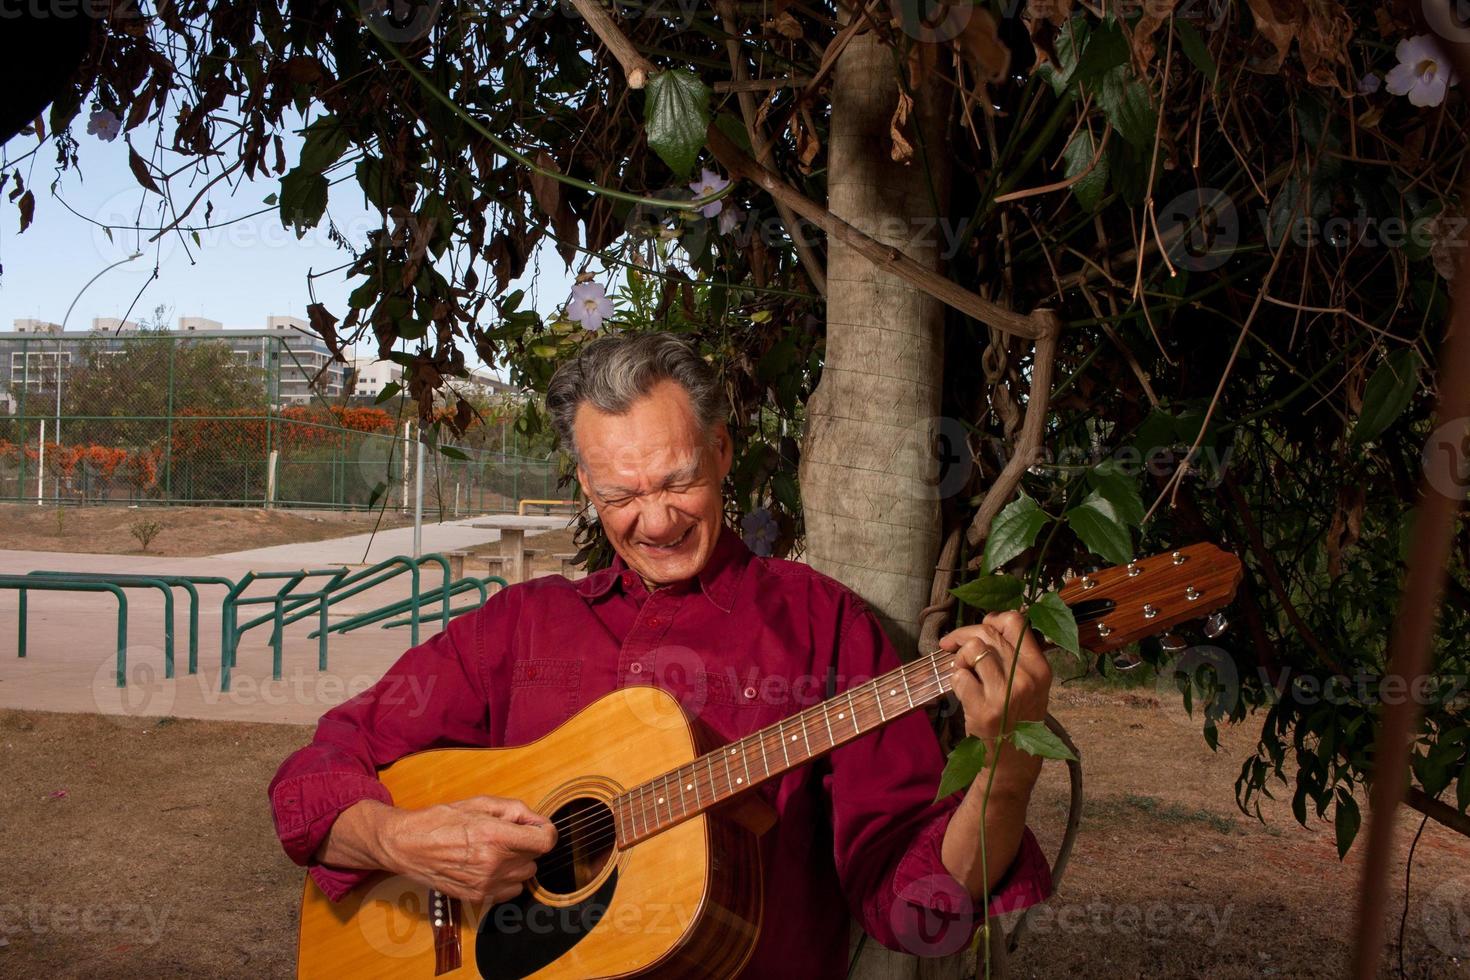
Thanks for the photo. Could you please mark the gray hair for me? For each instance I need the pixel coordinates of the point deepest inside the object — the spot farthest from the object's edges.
(612, 372)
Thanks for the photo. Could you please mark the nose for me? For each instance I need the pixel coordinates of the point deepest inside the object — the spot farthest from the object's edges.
(657, 519)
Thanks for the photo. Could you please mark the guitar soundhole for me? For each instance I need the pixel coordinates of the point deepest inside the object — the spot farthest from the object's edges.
(585, 839)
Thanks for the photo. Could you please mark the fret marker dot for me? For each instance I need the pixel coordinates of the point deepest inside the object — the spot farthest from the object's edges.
(793, 738)
(689, 787)
(738, 780)
(733, 751)
(841, 715)
(893, 693)
(660, 799)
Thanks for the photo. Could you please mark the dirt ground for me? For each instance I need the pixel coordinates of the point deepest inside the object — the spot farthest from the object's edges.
(185, 531)
(143, 848)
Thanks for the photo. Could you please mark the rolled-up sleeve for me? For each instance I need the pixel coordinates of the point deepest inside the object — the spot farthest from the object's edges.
(888, 830)
(433, 696)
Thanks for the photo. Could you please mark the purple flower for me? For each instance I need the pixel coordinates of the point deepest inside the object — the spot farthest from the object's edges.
(589, 305)
(760, 531)
(727, 221)
(104, 125)
(708, 183)
(1370, 83)
(1423, 72)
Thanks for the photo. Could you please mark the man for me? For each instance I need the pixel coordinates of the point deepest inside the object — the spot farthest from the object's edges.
(743, 640)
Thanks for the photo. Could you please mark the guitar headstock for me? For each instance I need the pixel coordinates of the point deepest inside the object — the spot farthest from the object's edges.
(1125, 603)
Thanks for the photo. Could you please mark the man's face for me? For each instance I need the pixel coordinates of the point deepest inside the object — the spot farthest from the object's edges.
(654, 475)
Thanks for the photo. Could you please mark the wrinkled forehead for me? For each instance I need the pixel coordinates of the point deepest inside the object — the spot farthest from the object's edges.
(656, 438)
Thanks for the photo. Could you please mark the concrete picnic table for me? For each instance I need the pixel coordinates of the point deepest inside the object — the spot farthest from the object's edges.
(513, 528)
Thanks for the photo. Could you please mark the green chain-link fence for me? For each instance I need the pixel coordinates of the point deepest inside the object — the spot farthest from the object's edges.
(232, 417)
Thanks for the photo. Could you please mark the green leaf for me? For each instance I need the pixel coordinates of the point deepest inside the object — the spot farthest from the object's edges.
(377, 494)
(303, 200)
(1054, 619)
(1034, 738)
(1111, 479)
(1387, 395)
(676, 115)
(1078, 155)
(1071, 38)
(1101, 528)
(390, 390)
(453, 452)
(1195, 49)
(325, 142)
(784, 488)
(1106, 49)
(991, 592)
(1013, 531)
(965, 763)
(373, 180)
(1125, 101)
(1346, 819)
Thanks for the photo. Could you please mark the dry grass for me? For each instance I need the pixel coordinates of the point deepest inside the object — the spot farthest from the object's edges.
(186, 532)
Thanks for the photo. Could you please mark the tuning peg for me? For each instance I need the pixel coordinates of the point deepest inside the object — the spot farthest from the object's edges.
(1126, 661)
(1216, 625)
(1163, 647)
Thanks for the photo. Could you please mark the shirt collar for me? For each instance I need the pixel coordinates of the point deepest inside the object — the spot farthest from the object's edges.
(718, 580)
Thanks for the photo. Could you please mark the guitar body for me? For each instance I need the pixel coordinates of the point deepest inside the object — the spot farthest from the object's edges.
(686, 902)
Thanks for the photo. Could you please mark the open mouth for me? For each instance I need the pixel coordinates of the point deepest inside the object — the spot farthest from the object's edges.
(672, 546)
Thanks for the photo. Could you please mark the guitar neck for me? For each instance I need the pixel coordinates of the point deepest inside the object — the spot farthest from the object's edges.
(732, 769)
(1112, 607)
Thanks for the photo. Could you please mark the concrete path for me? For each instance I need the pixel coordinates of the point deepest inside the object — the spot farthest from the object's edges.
(71, 646)
(447, 536)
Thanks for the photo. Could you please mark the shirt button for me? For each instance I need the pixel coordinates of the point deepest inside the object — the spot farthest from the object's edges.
(750, 694)
(654, 621)
(636, 668)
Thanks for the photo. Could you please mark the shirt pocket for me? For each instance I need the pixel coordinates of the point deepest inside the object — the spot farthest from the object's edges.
(544, 692)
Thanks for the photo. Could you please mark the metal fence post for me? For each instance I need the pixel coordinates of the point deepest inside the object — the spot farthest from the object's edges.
(168, 451)
(41, 466)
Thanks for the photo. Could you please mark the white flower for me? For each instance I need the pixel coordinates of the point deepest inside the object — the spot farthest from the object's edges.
(708, 183)
(728, 218)
(1423, 72)
(760, 531)
(589, 305)
(1369, 84)
(104, 125)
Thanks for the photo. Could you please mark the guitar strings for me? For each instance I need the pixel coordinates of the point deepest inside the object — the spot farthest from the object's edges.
(639, 796)
(761, 738)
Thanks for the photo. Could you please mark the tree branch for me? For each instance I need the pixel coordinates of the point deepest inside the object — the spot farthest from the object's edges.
(1438, 811)
(636, 68)
(886, 257)
(1028, 440)
(811, 263)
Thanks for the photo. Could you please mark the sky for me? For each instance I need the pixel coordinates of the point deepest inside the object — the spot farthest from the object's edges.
(238, 274)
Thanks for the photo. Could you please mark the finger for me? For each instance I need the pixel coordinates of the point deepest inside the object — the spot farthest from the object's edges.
(525, 839)
(956, 638)
(516, 811)
(504, 893)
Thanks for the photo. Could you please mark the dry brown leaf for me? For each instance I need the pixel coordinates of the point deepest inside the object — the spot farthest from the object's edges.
(786, 25)
(979, 44)
(1155, 14)
(903, 150)
(1041, 17)
(807, 144)
(1321, 28)
(546, 189)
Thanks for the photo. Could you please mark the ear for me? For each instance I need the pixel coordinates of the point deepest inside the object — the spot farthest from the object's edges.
(724, 450)
(582, 482)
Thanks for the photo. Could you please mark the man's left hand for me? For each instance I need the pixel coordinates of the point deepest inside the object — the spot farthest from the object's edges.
(984, 656)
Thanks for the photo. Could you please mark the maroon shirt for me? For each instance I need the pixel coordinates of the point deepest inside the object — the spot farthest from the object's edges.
(748, 642)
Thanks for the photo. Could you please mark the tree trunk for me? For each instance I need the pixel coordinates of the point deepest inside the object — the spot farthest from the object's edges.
(872, 518)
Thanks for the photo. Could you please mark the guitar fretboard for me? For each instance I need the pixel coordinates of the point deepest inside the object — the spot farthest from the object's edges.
(711, 779)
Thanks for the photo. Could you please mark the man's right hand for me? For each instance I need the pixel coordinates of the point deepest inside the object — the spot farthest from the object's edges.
(482, 849)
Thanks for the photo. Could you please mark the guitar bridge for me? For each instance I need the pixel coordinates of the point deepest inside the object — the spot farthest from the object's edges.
(444, 916)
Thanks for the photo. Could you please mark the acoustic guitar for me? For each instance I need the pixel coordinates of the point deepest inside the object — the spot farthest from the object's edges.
(656, 870)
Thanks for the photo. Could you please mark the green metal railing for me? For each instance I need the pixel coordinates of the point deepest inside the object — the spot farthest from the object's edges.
(236, 598)
(189, 583)
(463, 585)
(25, 585)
